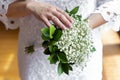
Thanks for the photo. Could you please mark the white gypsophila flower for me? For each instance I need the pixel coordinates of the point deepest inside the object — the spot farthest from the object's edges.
(76, 43)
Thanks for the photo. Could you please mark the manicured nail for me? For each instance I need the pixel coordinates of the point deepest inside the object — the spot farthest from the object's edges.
(70, 25)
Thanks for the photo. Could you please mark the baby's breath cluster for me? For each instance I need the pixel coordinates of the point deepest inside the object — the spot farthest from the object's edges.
(76, 43)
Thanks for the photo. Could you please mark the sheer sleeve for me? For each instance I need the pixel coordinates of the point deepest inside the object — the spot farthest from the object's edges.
(9, 23)
(111, 13)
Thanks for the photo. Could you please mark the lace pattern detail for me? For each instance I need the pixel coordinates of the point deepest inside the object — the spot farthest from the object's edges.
(45, 70)
(4, 6)
(9, 23)
(111, 13)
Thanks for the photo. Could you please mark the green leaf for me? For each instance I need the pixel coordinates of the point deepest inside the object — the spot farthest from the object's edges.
(74, 16)
(57, 35)
(86, 20)
(52, 42)
(71, 63)
(47, 52)
(93, 49)
(60, 70)
(53, 58)
(45, 38)
(51, 48)
(45, 33)
(70, 68)
(65, 68)
(45, 30)
(67, 11)
(45, 44)
(52, 30)
(75, 10)
(62, 57)
(55, 49)
(79, 17)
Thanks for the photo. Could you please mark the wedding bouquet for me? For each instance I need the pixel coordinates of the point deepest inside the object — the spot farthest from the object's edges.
(67, 47)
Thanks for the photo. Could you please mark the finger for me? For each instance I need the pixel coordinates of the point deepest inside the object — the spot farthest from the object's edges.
(46, 21)
(57, 22)
(64, 13)
(63, 19)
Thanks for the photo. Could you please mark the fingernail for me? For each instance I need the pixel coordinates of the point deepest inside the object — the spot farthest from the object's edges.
(70, 25)
(71, 20)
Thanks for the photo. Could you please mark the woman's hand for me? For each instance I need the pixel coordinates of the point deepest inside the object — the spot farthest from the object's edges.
(45, 12)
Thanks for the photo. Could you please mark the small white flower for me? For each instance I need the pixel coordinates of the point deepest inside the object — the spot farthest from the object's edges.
(76, 42)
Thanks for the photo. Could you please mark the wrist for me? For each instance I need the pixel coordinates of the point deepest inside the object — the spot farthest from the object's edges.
(95, 20)
(91, 21)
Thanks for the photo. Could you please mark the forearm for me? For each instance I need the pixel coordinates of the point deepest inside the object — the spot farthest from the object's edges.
(18, 9)
(95, 20)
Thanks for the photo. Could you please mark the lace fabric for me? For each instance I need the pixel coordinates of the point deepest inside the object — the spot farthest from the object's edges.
(111, 13)
(3, 10)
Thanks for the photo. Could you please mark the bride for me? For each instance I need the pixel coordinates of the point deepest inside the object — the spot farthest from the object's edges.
(32, 15)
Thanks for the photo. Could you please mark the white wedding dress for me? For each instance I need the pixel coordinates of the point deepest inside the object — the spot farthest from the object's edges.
(36, 66)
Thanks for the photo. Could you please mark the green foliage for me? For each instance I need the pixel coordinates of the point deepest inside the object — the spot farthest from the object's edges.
(60, 69)
(93, 49)
(52, 30)
(74, 11)
(58, 33)
(45, 44)
(45, 34)
(29, 49)
(67, 11)
(53, 58)
(79, 17)
(47, 52)
(64, 67)
(62, 57)
(51, 36)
